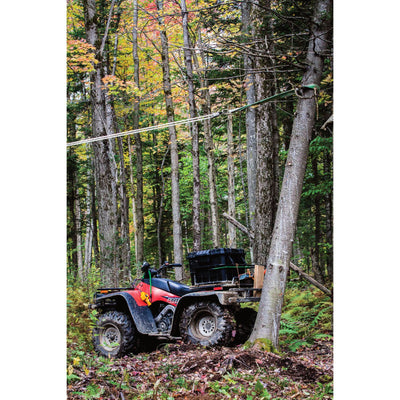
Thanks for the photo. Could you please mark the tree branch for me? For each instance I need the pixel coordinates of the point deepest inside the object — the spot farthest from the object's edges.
(294, 267)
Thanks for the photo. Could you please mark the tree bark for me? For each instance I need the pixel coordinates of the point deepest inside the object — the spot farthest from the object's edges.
(329, 220)
(78, 225)
(231, 184)
(315, 253)
(248, 32)
(133, 194)
(71, 194)
(89, 228)
(209, 147)
(124, 247)
(176, 213)
(212, 178)
(270, 308)
(193, 128)
(96, 246)
(267, 138)
(104, 160)
(161, 210)
(139, 221)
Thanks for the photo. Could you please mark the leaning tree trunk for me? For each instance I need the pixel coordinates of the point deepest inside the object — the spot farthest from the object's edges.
(270, 308)
(193, 128)
(176, 213)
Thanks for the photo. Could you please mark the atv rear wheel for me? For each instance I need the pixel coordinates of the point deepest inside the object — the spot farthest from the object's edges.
(115, 334)
(208, 324)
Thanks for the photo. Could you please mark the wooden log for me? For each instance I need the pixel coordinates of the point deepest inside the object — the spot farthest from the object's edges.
(238, 225)
(310, 279)
(292, 266)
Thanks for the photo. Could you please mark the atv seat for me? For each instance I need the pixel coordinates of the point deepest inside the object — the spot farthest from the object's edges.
(179, 289)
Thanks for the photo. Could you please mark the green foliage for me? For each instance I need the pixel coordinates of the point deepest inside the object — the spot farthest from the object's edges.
(80, 319)
(306, 316)
(93, 392)
(323, 391)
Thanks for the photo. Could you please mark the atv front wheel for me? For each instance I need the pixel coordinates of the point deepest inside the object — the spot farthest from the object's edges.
(208, 324)
(115, 335)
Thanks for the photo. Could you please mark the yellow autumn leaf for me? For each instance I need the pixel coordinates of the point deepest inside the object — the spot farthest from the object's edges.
(86, 370)
(76, 361)
(70, 369)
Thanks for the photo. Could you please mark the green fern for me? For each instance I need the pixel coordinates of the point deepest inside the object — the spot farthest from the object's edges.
(306, 316)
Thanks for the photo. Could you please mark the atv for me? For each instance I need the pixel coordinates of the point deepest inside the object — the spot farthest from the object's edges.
(157, 309)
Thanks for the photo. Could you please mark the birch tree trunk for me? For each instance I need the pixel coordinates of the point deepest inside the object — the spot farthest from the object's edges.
(270, 309)
(193, 128)
(139, 221)
(176, 213)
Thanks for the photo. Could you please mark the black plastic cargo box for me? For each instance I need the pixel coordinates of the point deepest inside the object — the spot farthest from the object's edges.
(216, 265)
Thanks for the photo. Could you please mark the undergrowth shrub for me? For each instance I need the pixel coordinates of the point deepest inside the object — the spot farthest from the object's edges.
(306, 315)
(80, 319)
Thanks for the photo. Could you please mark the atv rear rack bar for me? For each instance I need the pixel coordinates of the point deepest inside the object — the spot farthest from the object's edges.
(247, 299)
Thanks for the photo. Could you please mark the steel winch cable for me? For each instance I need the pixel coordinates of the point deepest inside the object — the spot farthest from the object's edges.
(190, 120)
(146, 129)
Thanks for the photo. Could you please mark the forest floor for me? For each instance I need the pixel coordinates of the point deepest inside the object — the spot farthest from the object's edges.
(178, 371)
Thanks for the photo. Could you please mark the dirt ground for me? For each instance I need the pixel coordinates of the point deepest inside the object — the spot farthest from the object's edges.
(178, 371)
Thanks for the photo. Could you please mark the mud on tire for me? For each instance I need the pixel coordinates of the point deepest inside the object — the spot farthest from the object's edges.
(115, 334)
(207, 324)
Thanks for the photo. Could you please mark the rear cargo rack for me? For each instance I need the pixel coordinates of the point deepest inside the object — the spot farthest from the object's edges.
(216, 265)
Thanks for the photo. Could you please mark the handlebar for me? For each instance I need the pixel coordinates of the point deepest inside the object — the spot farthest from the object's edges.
(146, 268)
(167, 264)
